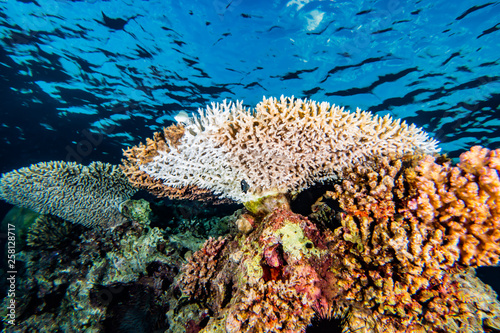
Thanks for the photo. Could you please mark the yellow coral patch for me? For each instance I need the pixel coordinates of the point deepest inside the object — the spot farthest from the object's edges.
(295, 243)
(254, 269)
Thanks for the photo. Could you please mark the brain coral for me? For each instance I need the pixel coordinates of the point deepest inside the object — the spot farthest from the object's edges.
(89, 195)
(283, 145)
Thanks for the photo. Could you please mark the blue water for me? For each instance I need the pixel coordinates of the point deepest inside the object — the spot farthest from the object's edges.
(81, 80)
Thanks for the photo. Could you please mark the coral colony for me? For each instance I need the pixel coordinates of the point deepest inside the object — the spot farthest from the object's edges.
(390, 244)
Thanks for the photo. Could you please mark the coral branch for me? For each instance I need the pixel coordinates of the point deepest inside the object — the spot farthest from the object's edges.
(466, 200)
(282, 146)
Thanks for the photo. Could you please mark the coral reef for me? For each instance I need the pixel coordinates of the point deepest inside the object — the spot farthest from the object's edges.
(94, 279)
(465, 200)
(88, 195)
(374, 260)
(398, 263)
(390, 245)
(229, 152)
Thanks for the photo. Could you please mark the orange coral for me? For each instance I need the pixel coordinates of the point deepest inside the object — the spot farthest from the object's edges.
(389, 256)
(144, 153)
(466, 200)
(273, 306)
(266, 280)
(386, 259)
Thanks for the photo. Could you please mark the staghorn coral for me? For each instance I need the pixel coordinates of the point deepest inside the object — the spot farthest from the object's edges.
(465, 200)
(89, 195)
(284, 145)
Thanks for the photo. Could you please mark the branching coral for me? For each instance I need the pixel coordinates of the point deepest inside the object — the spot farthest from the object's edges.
(201, 268)
(384, 267)
(89, 195)
(51, 232)
(283, 145)
(389, 256)
(466, 201)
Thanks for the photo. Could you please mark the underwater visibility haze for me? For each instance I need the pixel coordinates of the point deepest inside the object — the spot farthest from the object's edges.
(206, 166)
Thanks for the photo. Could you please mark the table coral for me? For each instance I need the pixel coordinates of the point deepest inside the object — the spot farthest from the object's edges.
(165, 141)
(89, 195)
(233, 153)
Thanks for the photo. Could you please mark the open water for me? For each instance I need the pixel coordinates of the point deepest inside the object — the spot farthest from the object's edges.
(118, 69)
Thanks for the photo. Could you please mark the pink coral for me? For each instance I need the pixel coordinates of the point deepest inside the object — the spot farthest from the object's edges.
(200, 268)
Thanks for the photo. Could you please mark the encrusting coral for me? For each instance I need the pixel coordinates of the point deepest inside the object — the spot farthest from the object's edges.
(229, 152)
(89, 195)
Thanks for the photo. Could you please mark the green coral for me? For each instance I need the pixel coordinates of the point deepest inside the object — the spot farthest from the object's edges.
(137, 210)
(295, 242)
(265, 205)
(253, 271)
(134, 254)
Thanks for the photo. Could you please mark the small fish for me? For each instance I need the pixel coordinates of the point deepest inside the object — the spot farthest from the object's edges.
(244, 186)
(181, 117)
